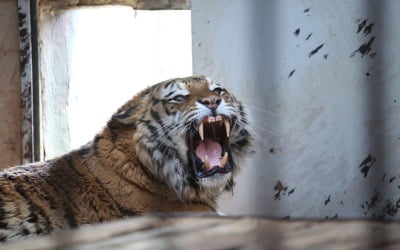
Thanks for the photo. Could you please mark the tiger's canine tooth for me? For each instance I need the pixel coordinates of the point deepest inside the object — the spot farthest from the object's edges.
(201, 131)
(227, 127)
(207, 163)
(219, 119)
(224, 159)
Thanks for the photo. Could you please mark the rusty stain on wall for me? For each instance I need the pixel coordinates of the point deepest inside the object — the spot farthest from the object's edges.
(282, 190)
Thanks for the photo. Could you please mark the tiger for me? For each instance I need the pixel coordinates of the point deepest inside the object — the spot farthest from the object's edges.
(174, 147)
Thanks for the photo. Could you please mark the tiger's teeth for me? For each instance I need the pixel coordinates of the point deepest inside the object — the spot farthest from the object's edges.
(227, 127)
(207, 163)
(219, 119)
(201, 131)
(224, 159)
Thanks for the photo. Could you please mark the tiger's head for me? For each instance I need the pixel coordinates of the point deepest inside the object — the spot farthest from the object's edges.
(190, 133)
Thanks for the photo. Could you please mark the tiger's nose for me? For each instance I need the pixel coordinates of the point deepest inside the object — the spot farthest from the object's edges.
(211, 102)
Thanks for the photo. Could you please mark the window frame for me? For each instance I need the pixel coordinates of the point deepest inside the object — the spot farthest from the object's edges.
(28, 12)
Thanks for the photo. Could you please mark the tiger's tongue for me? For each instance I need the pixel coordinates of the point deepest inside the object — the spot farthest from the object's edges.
(213, 151)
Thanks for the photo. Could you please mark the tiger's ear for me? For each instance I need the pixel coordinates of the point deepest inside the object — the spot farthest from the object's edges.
(124, 116)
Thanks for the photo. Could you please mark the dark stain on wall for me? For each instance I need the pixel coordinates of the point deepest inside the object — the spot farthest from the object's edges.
(309, 36)
(362, 25)
(366, 164)
(377, 209)
(368, 29)
(365, 27)
(325, 56)
(291, 73)
(327, 200)
(365, 48)
(306, 10)
(334, 217)
(297, 32)
(282, 190)
(391, 208)
(315, 51)
(373, 202)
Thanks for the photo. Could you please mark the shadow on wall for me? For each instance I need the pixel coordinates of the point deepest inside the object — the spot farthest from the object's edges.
(264, 35)
(372, 27)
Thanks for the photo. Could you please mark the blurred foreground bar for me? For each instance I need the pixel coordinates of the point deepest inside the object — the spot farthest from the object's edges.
(205, 231)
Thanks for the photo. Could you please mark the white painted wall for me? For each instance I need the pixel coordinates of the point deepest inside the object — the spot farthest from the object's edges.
(317, 126)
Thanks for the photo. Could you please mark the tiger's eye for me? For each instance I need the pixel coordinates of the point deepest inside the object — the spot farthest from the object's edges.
(179, 99)
(219, 91)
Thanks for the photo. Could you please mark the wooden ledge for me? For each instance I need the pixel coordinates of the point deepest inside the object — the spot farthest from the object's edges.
(206, 231)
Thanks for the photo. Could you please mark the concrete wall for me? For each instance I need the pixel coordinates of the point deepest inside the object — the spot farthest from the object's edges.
(322, 81)
(10, 115)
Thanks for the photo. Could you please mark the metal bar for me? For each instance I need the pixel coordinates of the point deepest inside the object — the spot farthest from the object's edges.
(37, 156)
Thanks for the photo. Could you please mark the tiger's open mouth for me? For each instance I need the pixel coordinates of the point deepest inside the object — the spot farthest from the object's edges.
(209, 147)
